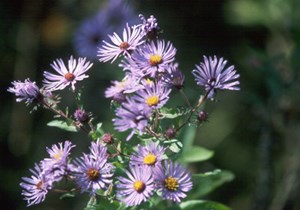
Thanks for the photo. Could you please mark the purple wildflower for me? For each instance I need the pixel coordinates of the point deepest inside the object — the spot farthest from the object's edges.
(36, 187)
(173, 77)
(66, 76)
(81, 115)
(132, 115)
(131, 39)
(212, 76)
(93, 174)
(173, 181)
(150, 27)
(98, 150)
(154, 96)
(149, 156)
(137, 188)
(57, 165)
(90, 34)
(26, 91)
(120, 88)
(151, 58)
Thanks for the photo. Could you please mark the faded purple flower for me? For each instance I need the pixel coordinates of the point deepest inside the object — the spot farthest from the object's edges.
(132, 115)
(81, 115)
(26, 91)
(173, 77)
(132, 38)
(149, 156)
(57, 165)
(173, 181)
(66, 75)
(137, 188)
(150, 27)
(36, 187)
(213, 76)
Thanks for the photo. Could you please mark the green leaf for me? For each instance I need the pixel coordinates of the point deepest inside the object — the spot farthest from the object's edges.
(206, 182)
(174, 145)
(202, 205)
(92, 204)
(67, 195)
(196, 154)
(171, 113)
(62, 125)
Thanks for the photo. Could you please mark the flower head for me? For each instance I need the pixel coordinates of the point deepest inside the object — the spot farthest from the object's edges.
(66, 75)
(131, 39)
(93, 174)
(154, 96)
(150, 27)
(81, 115)
(173, 77)
(173, 181)
(26, 91)
(90, 34)
(132, 115)
(149, 156)
(137, 188)
(36, 187)
(213, 76)
(57, 165)
(151, 58)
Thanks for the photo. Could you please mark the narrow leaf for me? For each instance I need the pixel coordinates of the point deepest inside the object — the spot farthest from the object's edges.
(202, 205)
(62, 125)
(196, 154)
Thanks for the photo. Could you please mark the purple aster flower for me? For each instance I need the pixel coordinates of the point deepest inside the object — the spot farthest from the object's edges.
(154, 96)
(36, 187)
(57, 165)
(173, 77)
(93, 174)
(66, 76)
(131, 39)
(81, 115)
(26, 91)
(151, 58)
(173, 181)
(149, 156)
(120, 88)
(118, 13)
(137, 188)
(213, 76)
(150, 27)
(98, 150)
(132, 115)
(90, 34)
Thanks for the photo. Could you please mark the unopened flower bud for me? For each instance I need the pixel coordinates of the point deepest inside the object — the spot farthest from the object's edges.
(81, 115)
(108, 138)
(170, 133)
(202, 116)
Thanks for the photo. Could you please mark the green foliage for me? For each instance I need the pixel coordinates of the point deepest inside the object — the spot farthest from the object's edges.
(196, 154)
(206, 182)
(202, 205)
(67, 126)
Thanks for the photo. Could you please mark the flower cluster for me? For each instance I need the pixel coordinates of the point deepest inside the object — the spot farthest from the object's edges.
(125, 172)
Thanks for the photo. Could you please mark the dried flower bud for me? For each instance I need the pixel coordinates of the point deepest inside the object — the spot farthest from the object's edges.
(108, 138)
(170, 133)
(81, 115)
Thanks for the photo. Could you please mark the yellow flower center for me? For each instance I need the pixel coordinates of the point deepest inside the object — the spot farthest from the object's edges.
(139, 186)
(152, 101)
(92, 174)
(58, 155)
(124, 45)
(155, 60)
(150, 159)
(69, 76)
(171, 183)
